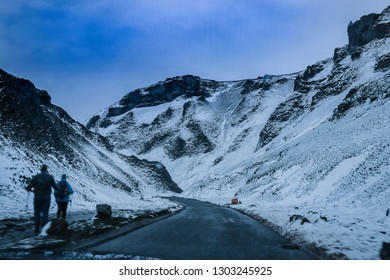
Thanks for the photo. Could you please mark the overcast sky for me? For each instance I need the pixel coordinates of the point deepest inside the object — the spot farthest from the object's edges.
(88, 54)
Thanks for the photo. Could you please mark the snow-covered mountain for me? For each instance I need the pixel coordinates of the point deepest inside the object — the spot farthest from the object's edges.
(33, 131)
(313, 144)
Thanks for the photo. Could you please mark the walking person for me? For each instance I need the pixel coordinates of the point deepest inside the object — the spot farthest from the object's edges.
(41, 185)
(62, 196)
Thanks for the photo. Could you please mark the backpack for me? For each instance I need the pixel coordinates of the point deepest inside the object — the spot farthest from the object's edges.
(63, 191)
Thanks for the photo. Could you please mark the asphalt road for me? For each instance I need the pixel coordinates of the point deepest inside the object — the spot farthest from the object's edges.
(203, 231)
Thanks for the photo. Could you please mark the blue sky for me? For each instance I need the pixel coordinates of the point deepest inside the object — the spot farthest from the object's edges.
(88, 54)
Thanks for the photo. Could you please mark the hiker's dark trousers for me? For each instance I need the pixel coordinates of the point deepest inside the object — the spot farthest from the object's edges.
(41, 209)
(62, 206)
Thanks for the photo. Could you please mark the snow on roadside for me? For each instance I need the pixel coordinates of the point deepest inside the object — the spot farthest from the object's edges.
(349, 190)
(351, 232)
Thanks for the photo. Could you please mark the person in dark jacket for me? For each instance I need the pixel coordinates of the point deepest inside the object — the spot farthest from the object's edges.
(41, 185)
(62, 196)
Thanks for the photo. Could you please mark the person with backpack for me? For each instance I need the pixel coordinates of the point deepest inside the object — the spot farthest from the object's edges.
(41, 185)
(62, 196)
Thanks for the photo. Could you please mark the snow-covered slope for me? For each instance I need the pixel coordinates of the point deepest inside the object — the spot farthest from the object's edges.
(33, 131)
(314, 143)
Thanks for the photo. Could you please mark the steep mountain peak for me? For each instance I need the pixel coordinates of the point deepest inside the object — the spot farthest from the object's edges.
(161, 92)
(23, 112)
(21, 88)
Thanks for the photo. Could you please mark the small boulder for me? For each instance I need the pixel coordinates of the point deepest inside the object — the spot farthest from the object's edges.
(103, 211)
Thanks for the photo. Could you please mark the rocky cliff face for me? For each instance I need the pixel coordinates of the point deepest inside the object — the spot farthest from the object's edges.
(366, 39)
(367, 29)
(309, 142)
(163, 92)
(192, 91)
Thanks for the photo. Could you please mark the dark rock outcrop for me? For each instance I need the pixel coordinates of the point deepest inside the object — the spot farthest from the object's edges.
(312, 70)
(368, 28)
(340, 54)
(378, 89)
(198, 143)
(383, 62)
(253, 85)
(103, 211)
(156, 172)
(280, 118)
(186, 86)
(302, 82)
